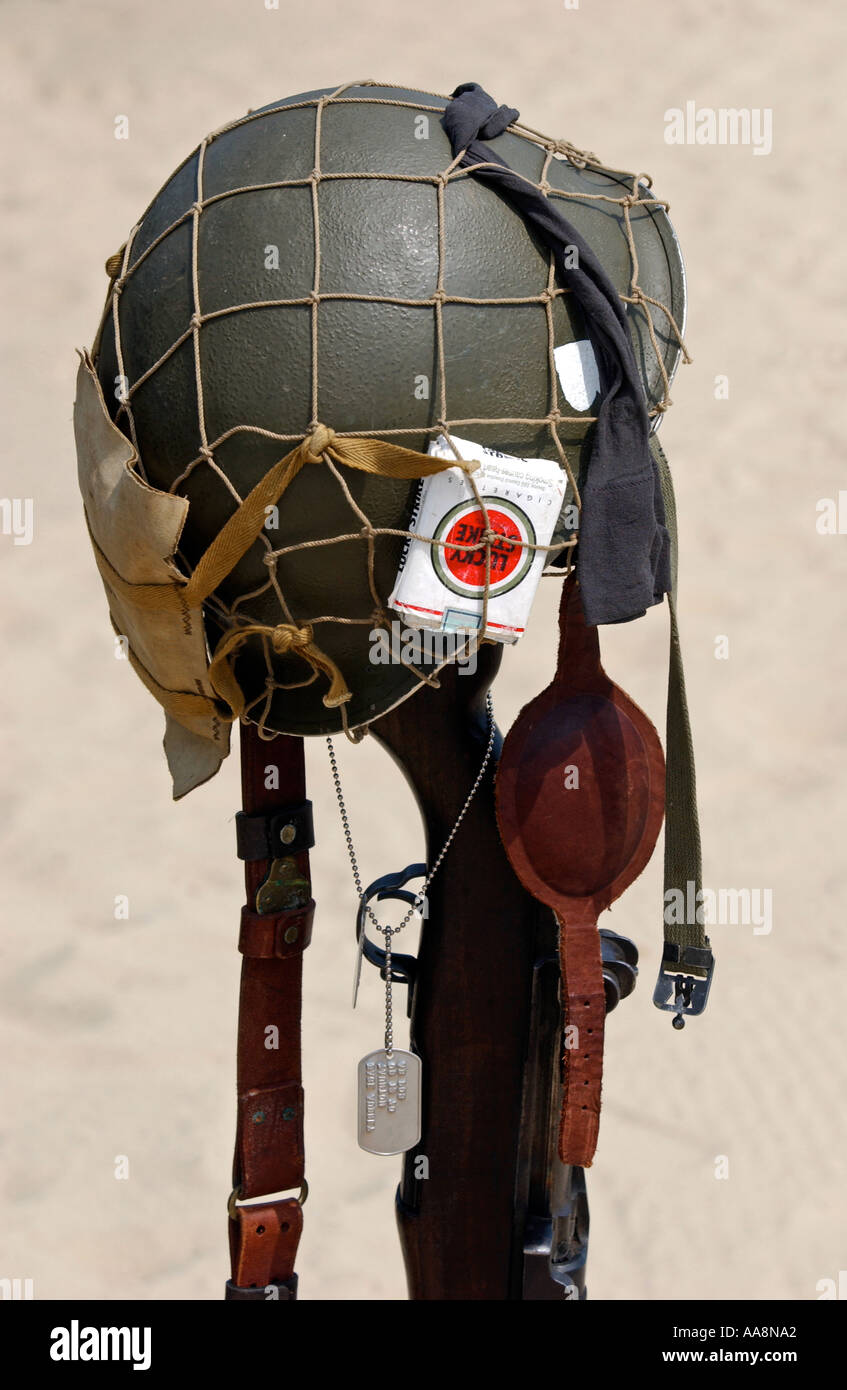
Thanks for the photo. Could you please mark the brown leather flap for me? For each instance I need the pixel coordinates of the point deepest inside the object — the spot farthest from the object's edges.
(269, 1149)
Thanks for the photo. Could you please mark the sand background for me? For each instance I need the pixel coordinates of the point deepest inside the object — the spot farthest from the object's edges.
(118, 1037)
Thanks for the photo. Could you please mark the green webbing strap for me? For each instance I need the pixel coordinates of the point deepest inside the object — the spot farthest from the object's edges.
(686, 946)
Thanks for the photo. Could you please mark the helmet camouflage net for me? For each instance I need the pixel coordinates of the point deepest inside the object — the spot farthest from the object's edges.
(320, 283)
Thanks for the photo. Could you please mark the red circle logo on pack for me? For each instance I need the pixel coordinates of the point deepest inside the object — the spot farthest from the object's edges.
(459, 561)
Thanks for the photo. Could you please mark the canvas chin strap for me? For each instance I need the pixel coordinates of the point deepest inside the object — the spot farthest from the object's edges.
(274, 838)
(367, 455)
(685, 974)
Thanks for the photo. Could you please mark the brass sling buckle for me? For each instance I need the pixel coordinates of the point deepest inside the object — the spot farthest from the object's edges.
(680, 993)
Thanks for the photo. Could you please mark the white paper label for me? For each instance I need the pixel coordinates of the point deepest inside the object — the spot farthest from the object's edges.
(441, 585)
(579, 378)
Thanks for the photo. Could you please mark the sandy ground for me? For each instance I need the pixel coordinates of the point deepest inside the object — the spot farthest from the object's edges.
(118, 1037)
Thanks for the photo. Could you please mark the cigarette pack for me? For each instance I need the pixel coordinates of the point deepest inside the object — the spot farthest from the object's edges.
(441, 579)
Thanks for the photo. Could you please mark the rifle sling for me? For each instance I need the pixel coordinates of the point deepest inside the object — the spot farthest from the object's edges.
(686, 945)
(269, 1156)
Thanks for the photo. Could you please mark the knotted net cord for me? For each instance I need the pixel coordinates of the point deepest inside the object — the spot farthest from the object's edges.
(319, 442)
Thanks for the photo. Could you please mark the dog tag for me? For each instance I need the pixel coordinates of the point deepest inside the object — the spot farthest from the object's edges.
(389, 1101)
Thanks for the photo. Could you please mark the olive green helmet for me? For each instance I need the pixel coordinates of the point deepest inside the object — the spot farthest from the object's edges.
(322, 262)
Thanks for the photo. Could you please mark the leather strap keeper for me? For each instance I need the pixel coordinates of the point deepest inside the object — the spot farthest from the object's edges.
(691, 959)
(269, 1140)
(276, 935)
(263, 1243)
(287, 831)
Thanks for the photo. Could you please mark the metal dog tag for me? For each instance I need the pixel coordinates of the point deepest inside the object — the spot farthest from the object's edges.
(389, 1101)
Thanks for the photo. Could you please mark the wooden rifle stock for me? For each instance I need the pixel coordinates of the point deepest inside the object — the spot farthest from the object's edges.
(462, 1227)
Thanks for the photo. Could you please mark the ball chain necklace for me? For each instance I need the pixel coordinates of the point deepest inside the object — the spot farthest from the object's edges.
(389, 1110)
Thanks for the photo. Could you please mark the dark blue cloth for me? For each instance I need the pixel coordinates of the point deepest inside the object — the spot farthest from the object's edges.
(623, 556)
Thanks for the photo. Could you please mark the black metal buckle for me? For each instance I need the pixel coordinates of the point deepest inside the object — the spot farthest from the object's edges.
(403, 967)
(681, 993)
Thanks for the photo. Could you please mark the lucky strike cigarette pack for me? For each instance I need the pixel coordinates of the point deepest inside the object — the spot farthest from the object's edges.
(440, 585)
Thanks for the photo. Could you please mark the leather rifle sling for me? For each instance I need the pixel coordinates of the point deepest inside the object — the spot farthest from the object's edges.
(274, 837)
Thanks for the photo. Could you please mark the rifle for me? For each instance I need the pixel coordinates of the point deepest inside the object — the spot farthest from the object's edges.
(498, 1214)
(471, 1007)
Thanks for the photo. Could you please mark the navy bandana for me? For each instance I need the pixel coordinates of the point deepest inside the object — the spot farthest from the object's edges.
(623, 556)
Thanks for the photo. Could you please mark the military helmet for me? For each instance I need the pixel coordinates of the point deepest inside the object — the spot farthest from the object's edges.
(321, 262)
